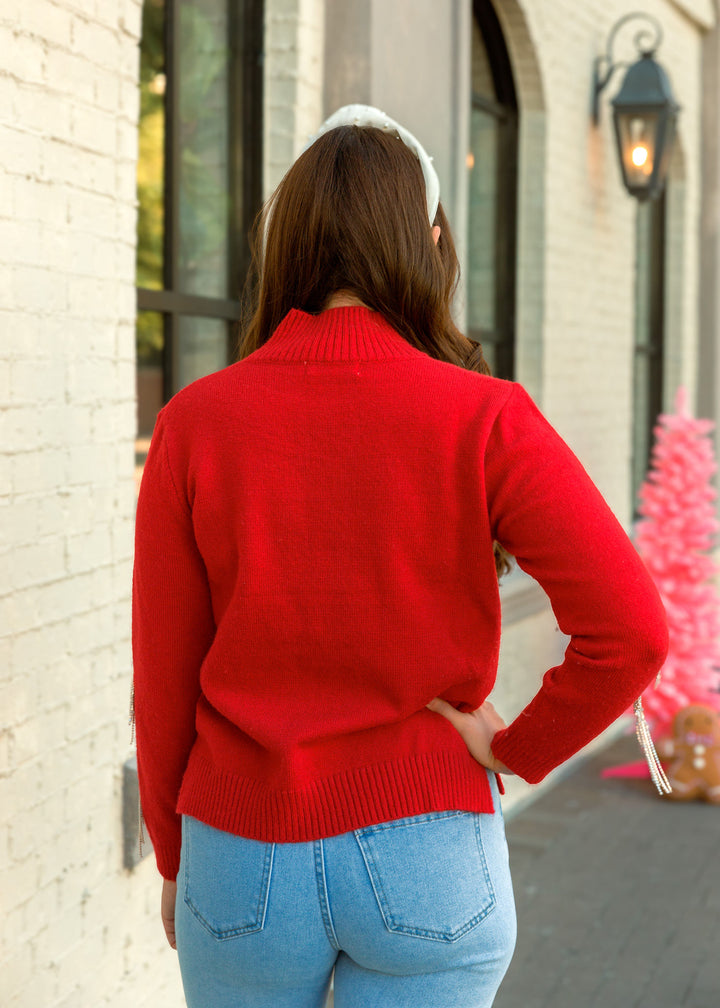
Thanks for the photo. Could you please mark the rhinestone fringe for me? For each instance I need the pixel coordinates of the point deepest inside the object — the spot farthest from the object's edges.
(131, 722)
(642, 729)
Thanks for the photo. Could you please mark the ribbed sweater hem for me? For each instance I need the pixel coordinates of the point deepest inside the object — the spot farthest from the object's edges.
(406, 786)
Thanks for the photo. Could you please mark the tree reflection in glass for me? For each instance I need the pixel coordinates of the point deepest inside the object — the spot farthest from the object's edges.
(203, 90)
(151, 177)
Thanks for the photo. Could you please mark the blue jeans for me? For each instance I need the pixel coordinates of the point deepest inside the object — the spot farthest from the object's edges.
(415, 912)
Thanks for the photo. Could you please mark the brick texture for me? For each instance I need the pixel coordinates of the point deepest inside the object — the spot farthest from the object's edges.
(294, 39)
(576, 259)
(576, 227)
(77, 930)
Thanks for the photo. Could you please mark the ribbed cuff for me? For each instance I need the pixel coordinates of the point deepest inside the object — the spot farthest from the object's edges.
(167, 853)
(532, 767)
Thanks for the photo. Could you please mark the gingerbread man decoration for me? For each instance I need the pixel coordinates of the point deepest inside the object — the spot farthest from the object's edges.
(693, 754)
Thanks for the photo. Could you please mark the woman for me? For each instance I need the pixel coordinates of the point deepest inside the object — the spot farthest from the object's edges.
(316, 581)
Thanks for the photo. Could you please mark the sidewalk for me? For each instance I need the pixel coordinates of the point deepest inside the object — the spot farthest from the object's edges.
(618, 895)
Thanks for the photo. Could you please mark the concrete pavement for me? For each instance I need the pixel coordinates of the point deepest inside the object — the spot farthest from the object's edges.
(618, 895)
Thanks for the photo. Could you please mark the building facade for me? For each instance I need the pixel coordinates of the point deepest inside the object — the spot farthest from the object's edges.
(137, 141)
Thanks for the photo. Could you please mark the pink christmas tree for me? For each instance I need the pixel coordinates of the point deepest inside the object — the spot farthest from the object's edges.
(675, 538)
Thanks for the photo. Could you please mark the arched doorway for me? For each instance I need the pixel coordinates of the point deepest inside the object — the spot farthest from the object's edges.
(492, 194)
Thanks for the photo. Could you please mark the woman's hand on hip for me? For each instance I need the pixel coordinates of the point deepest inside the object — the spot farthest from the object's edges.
(167, 910)
(477, 730)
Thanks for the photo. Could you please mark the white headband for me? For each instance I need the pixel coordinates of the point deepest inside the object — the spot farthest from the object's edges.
(366, 115)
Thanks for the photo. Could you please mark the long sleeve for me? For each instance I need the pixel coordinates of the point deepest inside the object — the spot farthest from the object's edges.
(547, 512)
(173, 629)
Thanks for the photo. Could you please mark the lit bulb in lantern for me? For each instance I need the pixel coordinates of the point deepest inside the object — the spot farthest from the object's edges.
(639, 156)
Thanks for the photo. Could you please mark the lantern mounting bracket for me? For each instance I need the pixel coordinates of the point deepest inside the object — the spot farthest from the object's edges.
(604, 67)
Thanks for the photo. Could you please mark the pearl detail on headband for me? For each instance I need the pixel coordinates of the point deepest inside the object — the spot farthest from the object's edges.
(367, 115)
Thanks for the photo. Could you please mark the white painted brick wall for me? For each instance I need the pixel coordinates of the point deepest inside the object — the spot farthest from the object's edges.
(294, 41)
(576, 254)
(585, 236)
(77, 930)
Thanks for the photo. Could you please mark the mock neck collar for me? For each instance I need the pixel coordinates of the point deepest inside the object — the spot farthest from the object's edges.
(348, 333)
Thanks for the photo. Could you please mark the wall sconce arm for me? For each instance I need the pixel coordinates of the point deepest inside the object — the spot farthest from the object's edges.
(604, 67)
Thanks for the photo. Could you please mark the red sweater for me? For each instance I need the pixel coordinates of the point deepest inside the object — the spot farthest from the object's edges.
(314, 563)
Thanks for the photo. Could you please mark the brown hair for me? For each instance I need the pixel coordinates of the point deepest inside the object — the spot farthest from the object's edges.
(350, 215)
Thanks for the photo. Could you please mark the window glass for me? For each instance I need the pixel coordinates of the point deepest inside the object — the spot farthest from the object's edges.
(482, 210)
(643, 275)
(204, 123)
(151, 148)
(199, 186)
(202, 348)
(641, 431)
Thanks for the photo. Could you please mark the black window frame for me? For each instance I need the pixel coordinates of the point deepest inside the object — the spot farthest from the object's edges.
(653, 349)
(246, 40)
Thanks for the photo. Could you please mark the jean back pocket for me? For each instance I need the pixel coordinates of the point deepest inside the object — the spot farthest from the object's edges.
(227, 879)
(429, 874)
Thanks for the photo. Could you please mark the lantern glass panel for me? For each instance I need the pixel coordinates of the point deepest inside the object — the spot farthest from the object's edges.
(637, 133)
